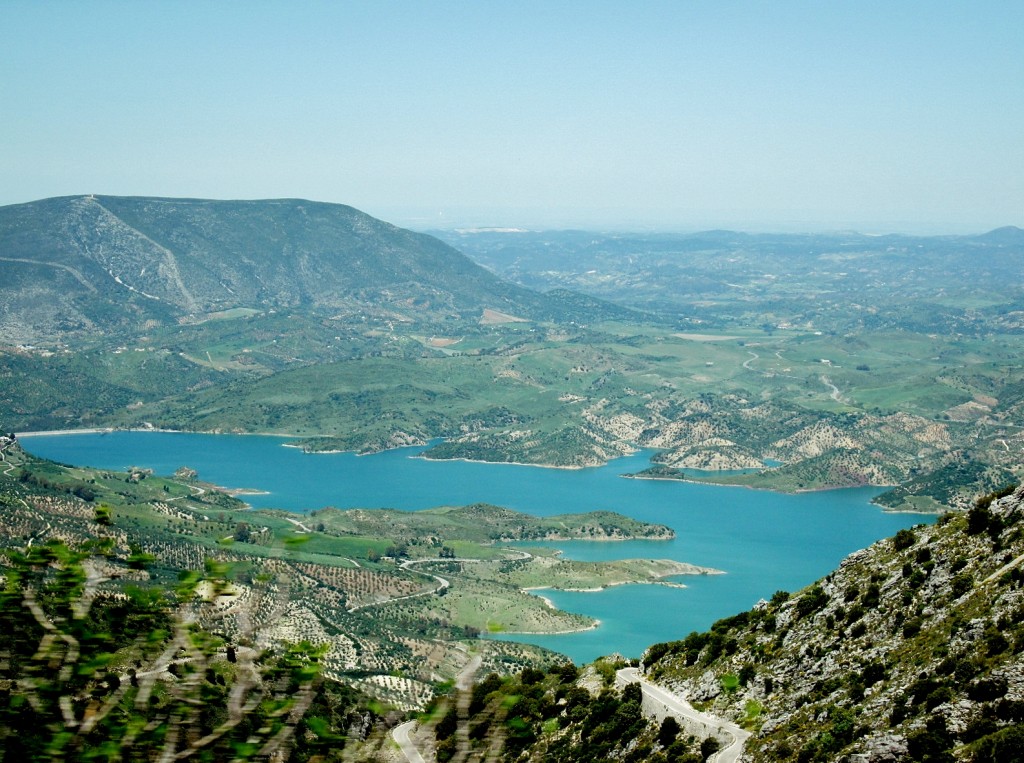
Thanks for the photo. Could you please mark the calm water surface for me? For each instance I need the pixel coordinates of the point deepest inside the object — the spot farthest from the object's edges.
(763, 541)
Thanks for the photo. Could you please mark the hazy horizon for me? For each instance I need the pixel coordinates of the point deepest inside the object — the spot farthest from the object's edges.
(792, 117)
(483, 220)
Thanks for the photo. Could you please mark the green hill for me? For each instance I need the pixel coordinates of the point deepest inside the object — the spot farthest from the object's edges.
(87, 265)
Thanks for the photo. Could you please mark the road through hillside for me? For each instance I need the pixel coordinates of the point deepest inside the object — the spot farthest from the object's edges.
(401, 736)
(685, 711)
(463, 682)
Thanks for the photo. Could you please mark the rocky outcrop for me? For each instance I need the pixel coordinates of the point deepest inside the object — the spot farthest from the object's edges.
(911, 648)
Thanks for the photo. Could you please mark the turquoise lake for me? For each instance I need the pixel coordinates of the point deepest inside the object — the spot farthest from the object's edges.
(763, 541)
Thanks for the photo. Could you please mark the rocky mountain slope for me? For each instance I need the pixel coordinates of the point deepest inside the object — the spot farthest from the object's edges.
(83, 265)
(912, 649)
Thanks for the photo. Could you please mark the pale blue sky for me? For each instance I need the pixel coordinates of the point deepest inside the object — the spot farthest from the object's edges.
(904, 116)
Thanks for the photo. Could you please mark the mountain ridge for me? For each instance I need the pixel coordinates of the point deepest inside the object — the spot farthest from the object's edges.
(93, 264)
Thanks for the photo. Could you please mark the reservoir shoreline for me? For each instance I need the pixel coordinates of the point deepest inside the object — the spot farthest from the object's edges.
(765, 541)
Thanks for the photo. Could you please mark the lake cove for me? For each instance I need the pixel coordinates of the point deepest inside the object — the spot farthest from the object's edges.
(763, 541)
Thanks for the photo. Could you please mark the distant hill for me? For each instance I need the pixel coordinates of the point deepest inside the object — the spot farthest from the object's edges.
(90, 264)
(1008, 235)
(933, 284)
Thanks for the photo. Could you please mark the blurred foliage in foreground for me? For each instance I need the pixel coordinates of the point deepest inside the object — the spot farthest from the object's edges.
(93, 672)
(563, 715)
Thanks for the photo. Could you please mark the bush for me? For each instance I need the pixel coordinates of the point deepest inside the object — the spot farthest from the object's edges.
(728, 623)
(931, 744)
(814, 600)
(656, 651)
(729, 682)
(904, 539)
(873, 672)
(1010, 710)
(995, 642)
(747, 674)
(842, 726)
(961, 584)
(708, 747)
(531, 676)
(938, 697)
(987, 689)
(978, 519)
(448, 724)
(446, 749)
(979, 727)
(872, 596)
(855, 688)
(965, 671)
(478, 698)
(912, 627)
(1005, 745)
(669, 730)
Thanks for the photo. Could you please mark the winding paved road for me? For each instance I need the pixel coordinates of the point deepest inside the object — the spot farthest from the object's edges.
(442, 582)
(463, 682)
(3, 456)
(685, 711)
(1003, 570)
(401, 735)
(297, 523)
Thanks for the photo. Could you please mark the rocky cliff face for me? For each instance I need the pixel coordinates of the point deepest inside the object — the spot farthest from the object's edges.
(912, 649)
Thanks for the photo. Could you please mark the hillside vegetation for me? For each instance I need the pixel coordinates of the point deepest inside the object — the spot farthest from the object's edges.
(379, 592)
(92, 672)
(912, 649)
(80, 266)
(295, 317)
(563, 715)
